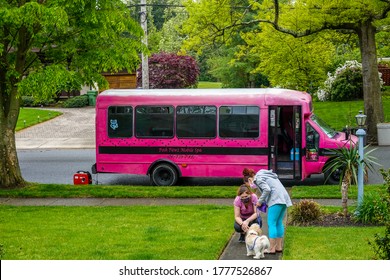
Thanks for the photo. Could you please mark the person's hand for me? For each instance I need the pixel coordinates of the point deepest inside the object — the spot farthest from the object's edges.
(245, 226)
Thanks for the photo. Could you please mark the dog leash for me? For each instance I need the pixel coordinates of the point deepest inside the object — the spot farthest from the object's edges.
(254, 243)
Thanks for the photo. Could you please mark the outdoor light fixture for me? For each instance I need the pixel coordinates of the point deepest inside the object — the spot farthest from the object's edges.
(361, 122)
(361, 119)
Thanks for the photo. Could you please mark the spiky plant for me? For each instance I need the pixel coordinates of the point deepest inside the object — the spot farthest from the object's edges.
(346, 161)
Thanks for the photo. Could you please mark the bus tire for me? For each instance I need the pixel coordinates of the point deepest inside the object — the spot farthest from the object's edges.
(164, 175)
(332, 178)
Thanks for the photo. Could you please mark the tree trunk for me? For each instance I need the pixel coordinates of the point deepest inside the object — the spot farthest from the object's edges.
(10, 175)
(371, 85)
(344, 192)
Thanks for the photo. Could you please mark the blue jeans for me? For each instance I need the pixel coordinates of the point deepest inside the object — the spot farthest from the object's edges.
(238, 228)
(275, 220)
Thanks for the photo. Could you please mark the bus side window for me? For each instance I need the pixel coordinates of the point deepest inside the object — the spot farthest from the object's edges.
(312, 143)
(196, 121)
(154, 121)
(120, 121)
(239, 121)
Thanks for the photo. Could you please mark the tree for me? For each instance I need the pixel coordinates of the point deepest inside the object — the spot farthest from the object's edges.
(168, 70)
(48, 44)
(345, 162)
(302, 18)
(297, 63)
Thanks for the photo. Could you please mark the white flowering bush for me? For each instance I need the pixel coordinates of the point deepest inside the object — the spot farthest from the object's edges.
(345, 84)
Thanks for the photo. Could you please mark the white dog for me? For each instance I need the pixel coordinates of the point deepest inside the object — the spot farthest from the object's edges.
(256, 244)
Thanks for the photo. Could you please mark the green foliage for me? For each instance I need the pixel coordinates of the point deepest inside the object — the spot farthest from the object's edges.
(297, 63)
(347, 160)
(347, 86)
(372, 210)
(27, 101)
(381, 244)
(304, 211)
(76, 102)
(70, 43)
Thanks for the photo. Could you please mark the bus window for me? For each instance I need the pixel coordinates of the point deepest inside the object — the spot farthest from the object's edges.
(120, 121)
(196, 121)
(154, 121)
(312, 143)
(239, 121)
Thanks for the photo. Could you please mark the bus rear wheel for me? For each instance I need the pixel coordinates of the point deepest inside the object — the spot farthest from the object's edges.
(164, 175)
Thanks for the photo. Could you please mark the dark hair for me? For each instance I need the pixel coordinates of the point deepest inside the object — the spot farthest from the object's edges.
(243, 188)
(247, 172)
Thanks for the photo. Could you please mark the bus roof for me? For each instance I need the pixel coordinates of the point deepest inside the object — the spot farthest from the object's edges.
(233, 96)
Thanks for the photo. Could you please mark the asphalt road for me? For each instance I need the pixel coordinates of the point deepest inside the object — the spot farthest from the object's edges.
(57, 166)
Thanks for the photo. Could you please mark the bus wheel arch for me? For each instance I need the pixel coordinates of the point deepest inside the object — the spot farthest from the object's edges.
(163, 173)
(332, 178)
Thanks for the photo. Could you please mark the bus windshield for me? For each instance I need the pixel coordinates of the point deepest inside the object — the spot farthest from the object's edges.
(330, 132)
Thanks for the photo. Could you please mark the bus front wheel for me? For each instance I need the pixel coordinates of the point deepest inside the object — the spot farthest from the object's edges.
(164, 175)
(333, 178)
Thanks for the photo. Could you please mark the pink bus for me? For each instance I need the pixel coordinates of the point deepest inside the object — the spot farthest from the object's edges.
(172, 133)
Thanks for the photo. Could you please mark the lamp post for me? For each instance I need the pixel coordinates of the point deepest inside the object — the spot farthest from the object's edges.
(360, 133)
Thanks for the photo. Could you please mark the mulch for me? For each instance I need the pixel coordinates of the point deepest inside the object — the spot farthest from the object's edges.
(336, 220)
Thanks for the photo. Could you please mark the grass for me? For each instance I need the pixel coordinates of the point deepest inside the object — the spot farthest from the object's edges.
(65, 191)
(326, 191)
(31, 116)
(149, 233)
(83, 191)
(114, 233)
(329, 243)
(340, 114)
(203, 84)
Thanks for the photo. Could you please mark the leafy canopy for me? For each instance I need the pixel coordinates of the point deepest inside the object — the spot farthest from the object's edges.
(62, 44)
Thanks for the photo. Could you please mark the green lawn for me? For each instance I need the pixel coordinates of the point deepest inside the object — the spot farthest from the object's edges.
(150, 232)
(59, 190)
(114, 233)
(326, 191)
(32, 116)
(329, 243)
(209, 85)
(340, 114)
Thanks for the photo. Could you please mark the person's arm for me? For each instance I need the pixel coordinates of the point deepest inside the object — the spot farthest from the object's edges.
(265, 191)
(237, 216)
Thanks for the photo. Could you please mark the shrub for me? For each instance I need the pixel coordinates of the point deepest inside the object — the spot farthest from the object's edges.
(381, 244)
(373, 209)
(167, 70)
(76, 102)
(30, 101)
(345, 84)
(27, 101)
(304, 212)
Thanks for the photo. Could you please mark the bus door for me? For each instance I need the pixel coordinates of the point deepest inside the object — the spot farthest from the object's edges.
(284, 139)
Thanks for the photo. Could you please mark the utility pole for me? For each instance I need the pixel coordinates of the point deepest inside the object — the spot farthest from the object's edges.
(145, 64)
